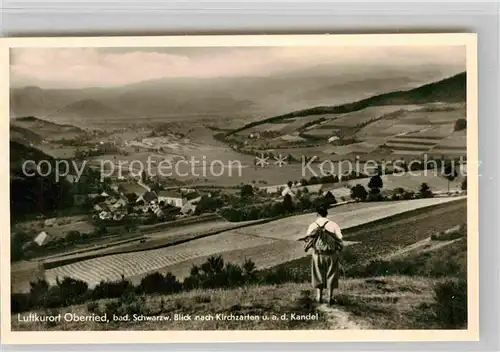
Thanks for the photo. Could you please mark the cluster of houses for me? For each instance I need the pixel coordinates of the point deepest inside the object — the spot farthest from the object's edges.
(324, 191)
(139, 199)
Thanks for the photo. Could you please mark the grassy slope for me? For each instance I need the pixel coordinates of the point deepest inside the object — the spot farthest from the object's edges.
(451, 90)
(389, 235)
(383, 303)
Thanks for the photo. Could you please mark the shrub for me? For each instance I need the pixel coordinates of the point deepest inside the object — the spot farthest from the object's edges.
(130, 303)
(233, 276)
(39, 292)
(71, 291)
(375, 182)
(280, 275)
(112, 289)
(460, 124)
(246, 191)
(214, 273)
(374, 195)
(358, 192)
(17, 246)
(288, 204)
(398, 193)
(349, 257)
(408, 195)
(450, 307)
(425, 191)
(20, 302)
(249, 271)
(157, 283)
(463, 186)
(93, 307)
(73, 236)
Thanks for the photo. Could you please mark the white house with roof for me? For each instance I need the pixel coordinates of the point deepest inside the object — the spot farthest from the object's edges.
(104, 215)
(333, 139)
(190, 206)
(287, 190)
(121, 202)
(172, 197)
(40, 238)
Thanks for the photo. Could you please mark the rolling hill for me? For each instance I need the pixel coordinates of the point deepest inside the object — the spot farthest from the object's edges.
(449, 90)
(79, 112)
(31, 129)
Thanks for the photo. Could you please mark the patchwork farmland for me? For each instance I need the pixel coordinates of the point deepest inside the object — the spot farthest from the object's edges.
(268, 244)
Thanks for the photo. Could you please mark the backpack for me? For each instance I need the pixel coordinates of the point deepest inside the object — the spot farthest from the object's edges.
(323, 240)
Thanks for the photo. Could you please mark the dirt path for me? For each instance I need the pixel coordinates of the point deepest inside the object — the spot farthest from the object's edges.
(339, 319)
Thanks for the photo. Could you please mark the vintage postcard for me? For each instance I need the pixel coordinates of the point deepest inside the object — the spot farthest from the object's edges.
(240, 188)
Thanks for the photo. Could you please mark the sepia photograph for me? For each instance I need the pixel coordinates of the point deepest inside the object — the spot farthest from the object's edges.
(282, 183)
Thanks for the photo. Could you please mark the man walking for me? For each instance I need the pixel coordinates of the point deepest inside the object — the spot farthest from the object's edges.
(325, 238)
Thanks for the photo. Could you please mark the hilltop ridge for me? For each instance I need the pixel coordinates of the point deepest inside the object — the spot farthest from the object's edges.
(449, 90)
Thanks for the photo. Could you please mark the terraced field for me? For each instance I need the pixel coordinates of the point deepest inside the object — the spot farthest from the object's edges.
(388, 128)
(130, 264)
(268, 244)
(285, 126)
(358, 148)
(455, 145)
(355, 118)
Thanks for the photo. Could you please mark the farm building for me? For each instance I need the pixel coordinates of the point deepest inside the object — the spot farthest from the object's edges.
(40, 238)
(104, 215)
(50, 222)
(121, 202)
(148, 197)
(172, 197)
(190, 206)
(289, 191)
(333, 139)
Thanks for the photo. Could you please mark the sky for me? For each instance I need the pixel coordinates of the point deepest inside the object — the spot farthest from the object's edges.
(105, 67)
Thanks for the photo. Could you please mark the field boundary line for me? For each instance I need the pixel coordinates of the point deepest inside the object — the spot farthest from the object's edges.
(54, 264)
(393, 217)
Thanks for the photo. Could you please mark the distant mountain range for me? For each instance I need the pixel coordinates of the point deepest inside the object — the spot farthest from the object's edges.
(247, 98)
